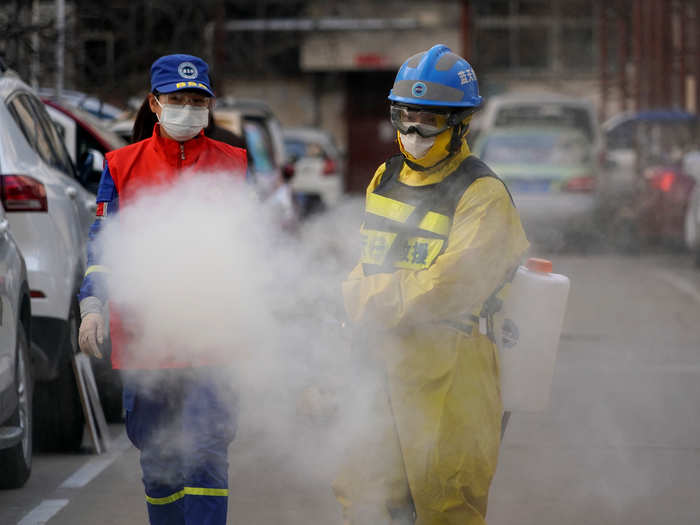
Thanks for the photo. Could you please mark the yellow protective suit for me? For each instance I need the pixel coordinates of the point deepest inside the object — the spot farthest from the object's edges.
(435, 431)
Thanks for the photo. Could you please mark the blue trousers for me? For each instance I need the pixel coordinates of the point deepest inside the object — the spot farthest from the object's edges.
(182, 421)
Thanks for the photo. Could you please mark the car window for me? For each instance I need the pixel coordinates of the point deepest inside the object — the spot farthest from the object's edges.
(57, 155)
(43, 144)
(546, 114)
(60, 128)
(259, 145)
(622, 136)
(23, 116)
(295, 149)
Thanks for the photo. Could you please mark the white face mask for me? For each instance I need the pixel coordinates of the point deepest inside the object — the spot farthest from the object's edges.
(183, 122)
(415, 145)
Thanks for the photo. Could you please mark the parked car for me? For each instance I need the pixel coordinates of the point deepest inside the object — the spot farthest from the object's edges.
(87, 140)
(268, 168)
(644, 188)
(659, 207)
(551, 173)
(88, 103)
(263, 134)
(542, 109)
(16, 376)
(643, 138)
(318, 164)
(49, 213)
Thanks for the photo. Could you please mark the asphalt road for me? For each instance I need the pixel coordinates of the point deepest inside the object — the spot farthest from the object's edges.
(619, 444)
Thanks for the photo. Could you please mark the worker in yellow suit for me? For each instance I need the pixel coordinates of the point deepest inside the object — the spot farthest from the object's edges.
(441, 238)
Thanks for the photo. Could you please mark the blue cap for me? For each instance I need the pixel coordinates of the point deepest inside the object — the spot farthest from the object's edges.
(177, 72)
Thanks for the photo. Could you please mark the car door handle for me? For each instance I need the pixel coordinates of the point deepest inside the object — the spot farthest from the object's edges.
(3, 226)
(71, 192)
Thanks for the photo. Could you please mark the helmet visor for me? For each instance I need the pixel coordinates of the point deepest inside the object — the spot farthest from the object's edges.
(424, 122)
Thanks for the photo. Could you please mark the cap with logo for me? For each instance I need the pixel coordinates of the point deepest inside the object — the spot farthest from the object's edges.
(177, 72)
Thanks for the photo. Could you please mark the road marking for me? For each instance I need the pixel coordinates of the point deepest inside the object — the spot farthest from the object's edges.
(48, 508)
(95, 466)
(680, 284)
(42, 513)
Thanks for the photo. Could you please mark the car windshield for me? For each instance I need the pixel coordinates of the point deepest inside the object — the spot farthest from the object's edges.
(295, 149)
(546, 114)
(554, 149)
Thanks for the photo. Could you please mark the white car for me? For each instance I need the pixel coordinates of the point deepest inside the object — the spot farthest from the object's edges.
(87, 140)
(49, 214)
(318, 166)
(16, 381)
(546, 109)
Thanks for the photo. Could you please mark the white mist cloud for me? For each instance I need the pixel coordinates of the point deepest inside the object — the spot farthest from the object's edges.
(204, 267)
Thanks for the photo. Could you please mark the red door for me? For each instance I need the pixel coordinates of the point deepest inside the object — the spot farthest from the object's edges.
(371, 138)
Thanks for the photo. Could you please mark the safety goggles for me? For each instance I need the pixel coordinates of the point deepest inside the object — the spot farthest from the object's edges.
(426, 123)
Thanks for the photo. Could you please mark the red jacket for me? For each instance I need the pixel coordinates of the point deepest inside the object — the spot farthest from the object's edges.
(154, 162)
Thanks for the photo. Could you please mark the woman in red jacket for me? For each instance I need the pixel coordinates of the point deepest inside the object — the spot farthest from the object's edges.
(178, 415)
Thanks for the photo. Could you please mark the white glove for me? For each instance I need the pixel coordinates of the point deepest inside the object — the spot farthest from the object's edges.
(91, 336)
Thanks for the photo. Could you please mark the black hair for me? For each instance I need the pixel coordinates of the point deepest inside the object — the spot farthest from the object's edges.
(144, 122)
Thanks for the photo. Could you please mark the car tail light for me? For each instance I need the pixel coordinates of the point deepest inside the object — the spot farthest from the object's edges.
(663, 181)
(581, 184)
(22, 193)
(329, 167)
(37, 294)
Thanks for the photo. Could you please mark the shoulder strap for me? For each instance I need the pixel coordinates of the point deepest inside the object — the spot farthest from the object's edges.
(392, 168)
(475, 168)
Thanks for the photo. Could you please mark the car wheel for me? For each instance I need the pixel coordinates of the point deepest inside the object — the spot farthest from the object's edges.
(17, 461)
(59, 413)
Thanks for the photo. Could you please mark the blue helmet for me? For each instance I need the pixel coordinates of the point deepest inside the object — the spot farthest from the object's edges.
(437, 77)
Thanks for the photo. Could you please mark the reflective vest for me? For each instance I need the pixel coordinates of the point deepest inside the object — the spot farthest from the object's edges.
(407, 227)
(158, 162)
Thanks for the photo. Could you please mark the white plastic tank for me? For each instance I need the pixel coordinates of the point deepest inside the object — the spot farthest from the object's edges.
(527, 331)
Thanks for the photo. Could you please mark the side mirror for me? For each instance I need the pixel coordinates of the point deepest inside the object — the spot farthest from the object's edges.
(91, 169)
(98, 160)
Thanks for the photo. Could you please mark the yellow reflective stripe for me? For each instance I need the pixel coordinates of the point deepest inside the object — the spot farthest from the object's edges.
(201, 491)
(96, 268)
(187, 491)
(436, 223)
(385, 207)
(375, 246)
(419, 253)
(167, 499)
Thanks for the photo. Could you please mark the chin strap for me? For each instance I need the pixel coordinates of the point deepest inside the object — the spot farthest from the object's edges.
(458, 133)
